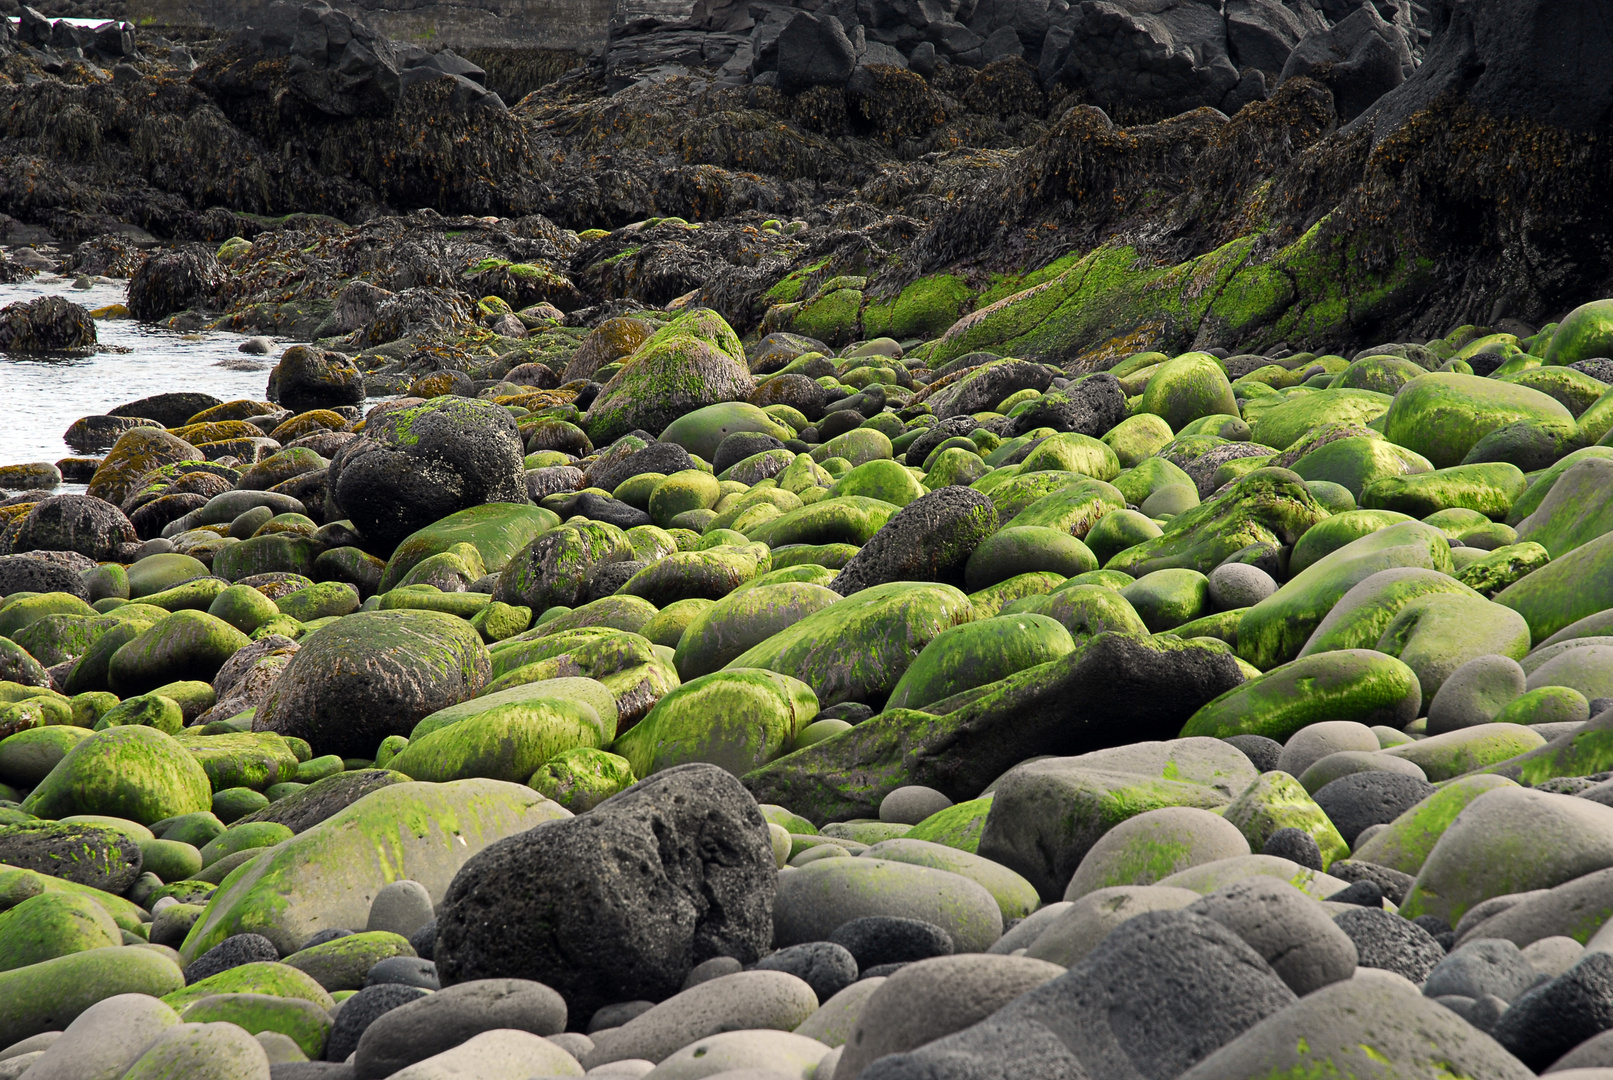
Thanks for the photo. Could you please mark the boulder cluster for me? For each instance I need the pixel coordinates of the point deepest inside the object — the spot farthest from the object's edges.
(808, 567)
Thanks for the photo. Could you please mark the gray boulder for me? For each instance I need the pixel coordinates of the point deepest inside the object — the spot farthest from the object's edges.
(1158, 56)
(814, 51)
(1288, 929)
(1360, 59)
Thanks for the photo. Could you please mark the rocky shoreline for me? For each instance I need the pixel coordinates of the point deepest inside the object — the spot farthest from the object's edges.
(914, 542)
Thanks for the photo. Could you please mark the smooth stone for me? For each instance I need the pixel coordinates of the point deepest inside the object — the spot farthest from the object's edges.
(1239, 585)
(1479, 967)
(1025, 931)
(407, 970)
(834, 1020)
(1154, 845)
(421, 1028)
(402, 907)
(715, 968)
(105, 1039)
(815, 900)
(1263, 753)
(877, 940)
(202, 1052)
(1347, 762)
(1475, 692)
(743, 1055)
(1088, 921)
(1553, 955)
(1355, 802)
(495, 1055)
(747, 1000)
(1288, 929)
(1313, 743)
(911, 804)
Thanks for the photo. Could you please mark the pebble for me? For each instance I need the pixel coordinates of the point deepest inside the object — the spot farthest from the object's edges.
(911, 804)
(748, 1000)
(106, 1039)
(1316, 741)
(826, 967)
(715, 968)
(814, 901)
(1295, 845)
(877, 940)
(403, 907)
(1239, 585)
(363, 1009)
(1289, 930)
(432, 1024)
(1390, 942)
(408, 970)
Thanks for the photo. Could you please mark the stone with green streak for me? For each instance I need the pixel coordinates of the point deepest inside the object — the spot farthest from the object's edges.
(958, 826)
(1137, 438)
(193, 595)
(1153, 846)
(49, 996)
(1046, 815)
(532, 699)
(261, 977)
(1188, 387)
(507, 742)
(1274, 631)
(1565, 590)
(815, 899)
(27, 757)
(859, 648)
(1405, 842)
(301, 1021)
(1084, 610)
(23, 612)
(1489, 488)
(1576, 510)
(1165, 599)
(690, 489)
(1330, 534)
(249, 759)
(1073, 452)
(1438, 633)
(700, 432)
(1360, 617)
(154, 573)
(1275, 801)
(978, 653)
(851, 519)
(1016, 493)
(271, 553)
(1286, 423)
(666, 627)
(858, 446)
(244, 836)
(581, 779)
(136, 773)
(881, 479)
(56, 639)
(1024, 549)
(145, 710)
(243, 607)
(1456, 753)
(954, 466)
(1585, 332)
(1442, 415)
(742, 620)
(53, 924)
(555, 568)
(341, 964)
(1137, 484)
(185, 645)
(1359, 461)
(1510, 840)
(1266, 506)
(1384, 374)
(326, 876)
(1490, 574)
(737, 718)
(1074, 508)
(1014, 895)
(170, 860)
(991, 601)
(629, 613)
(1118, 530)
(320, 601)
(1348, 684)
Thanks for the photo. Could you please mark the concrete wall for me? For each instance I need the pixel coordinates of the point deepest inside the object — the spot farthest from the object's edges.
(579, 25)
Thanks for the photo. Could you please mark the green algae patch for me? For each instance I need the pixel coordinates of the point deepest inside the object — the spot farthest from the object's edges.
(1404, 844)
(1350, 684)
(1277, 801)
(326, 877)
(958, 826)
(261, 977)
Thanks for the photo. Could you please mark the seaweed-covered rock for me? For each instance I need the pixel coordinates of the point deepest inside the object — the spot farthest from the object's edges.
(683, 367)
(50, 324)
(81, 523)
(310, 378)
(171, 281)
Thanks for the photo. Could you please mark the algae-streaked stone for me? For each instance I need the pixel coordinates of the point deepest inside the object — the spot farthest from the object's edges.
(1348, 684)
(1154, 845)
(342, 964)
(50, 995)
(248, 759)
(325, 877)
(1438, 633)
(581, 779)
(53, 924)
(373, 674)
(136, 773)
(304, 1022)
(1188, 387)
(737, 718)
(186, 645)
(1489, 488)
(978, 653)
(1443, 414)
(1277, 801)
(496, 530)
(1447, 756)
(1405, 842)
(259, 977)
(504, 743)
(719, 633)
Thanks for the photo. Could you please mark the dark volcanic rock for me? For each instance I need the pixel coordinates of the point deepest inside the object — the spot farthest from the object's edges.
(170, 410)
(232, 952)
(85, 854)
(633, 894)
(929, 539)
(1360, 59)
(1089, 407)
(814, 51)
(20, 573)
(89, 526)
(49, 324)
(311, 378)
(414, 466)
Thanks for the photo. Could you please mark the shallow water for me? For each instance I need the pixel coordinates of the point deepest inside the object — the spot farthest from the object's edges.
(41, 396)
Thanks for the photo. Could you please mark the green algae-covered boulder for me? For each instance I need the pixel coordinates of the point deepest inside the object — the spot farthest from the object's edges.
(270, 553)
(1577, 508)
(1565, 590)
(857, 649)
(1274, 630)
(581, 779)
(1188, 387)
(681, 492)
(496, 530)
(1154, 845)
(1266, 506)
(1286, 422)
(245, 836)
(991, 601)
(1358, 461)
(1167, 599)
(137, 452)
(504, 743)
(958, 826)
(1047, 814)
(1138, 437)
(1330, 534)
(688, 364)
(136, 773)
(1438, 633)
(326, 876)
(1073, 452)
(49, 996)
(629, 613)
(53, 924)
(667, 626)
(850, 519)
(978, 653)
(698, 575)
(1585, 332)
(1510, 840)
(1350, 684)
(1447, 756)
(27, 757)
(185, 645)
(1026, 549)
(1275, 800)
(1149, 476)
(1384, 374)
(1405, 842)
(146, 710)
(954, 465)
(1360, 617)
(158, 573)
(341, 964)
(260, 977)
(301, 1021)
(1084, 610)
(1118, 530)
(373, 674)
(530, 698)
(242, 759)
(881, 479)
(700, 432)
(1018, 491)
(17, 615)
(1074, 508)
(857, 446)
(556, 567)
(1490, 488)
(243, 607)
(742, 620)
(1442, 415)
(738, 718)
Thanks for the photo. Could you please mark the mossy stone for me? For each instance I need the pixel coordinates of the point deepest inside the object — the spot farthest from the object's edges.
(1585, 332)
(978, 653)
(27, 757)
(958, 826)
(852, 519)
(49, 996)
(1348, 684)
(1359, 618)
(1448, 756)
(158, 573)
(991, 601)
(1489, 488)
(819, 730)
(1084, 610)
(246, 836)
(1024, 549)
(581, 779)
(502, 743)
(108, 581)
(1442, 415)
(1277, 801)
(1275, 630)
(681, 492)
(1576, 510)
(1438, 633)
(1117, 530)
(185, 645)
(702, 431)
(129, 772)
(1166, 599)
(1170, 500)
(1285, 423)
(1017, 491)
(742, 620)
(1358, 461)
(234, 803)
(271, 553)
(342, 964)
(1074, 508)
(194, 829)
(667, 626)
(192, 595)
(53, 924)
(738, 718)
(1185, 388)
(1545, 705)
(1333, 533)
(954, 466)
(1073, 452)
(170, 860)
(90, 706)
(147, 710)
(496, 530)
(260, 977)
(1385, 374)
(16, 615)
(302, 1021)
(1137, 438)
(880, 479)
